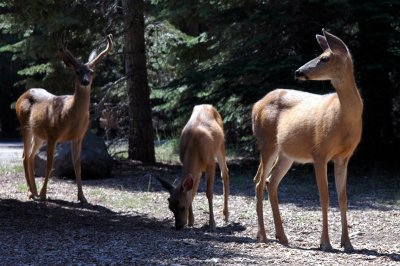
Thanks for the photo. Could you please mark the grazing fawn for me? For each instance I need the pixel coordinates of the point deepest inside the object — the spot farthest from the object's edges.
(201, 142)
(47, 117)
(297, 126)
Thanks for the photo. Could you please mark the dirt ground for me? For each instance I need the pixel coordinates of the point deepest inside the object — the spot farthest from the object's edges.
(127, 222)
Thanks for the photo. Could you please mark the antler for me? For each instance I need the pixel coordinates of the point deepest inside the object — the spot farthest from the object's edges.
(103, 53)
(66, 55)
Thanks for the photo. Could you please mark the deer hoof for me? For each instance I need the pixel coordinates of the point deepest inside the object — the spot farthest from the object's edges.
(42, 197)
(348, 247)
(262, 238)
(325, 247)
(212, 227)
(82, 199)
(33, 196)
(282, 239)
(226, 216)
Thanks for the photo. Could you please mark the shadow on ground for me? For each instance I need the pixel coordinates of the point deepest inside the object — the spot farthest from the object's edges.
(57, 231)
(366, 252)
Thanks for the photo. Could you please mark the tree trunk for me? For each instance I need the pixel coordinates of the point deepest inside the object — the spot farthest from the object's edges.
(141, 141)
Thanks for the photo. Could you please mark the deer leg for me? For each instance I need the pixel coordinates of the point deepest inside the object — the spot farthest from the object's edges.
(36, 143)
(27, 138)
(225, 177)
(26, 168)
(340, 181)
(278, 171)
(190, 216)
(196, 183)
(210, 193)
(76, 147)
(267, 159)
(26, 172)
(49, 165)
(320, 168)
(259, 172)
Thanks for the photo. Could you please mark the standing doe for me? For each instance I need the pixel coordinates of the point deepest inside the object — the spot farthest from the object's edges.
(297, 126)
(47, 117)
(201, 142)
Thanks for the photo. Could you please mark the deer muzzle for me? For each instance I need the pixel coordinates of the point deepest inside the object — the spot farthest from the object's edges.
(299, 74)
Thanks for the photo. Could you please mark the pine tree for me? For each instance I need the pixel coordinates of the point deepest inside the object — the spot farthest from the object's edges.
(141, 138)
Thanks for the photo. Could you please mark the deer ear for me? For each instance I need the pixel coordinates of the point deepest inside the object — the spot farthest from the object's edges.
(92, 55)
(187, 183)
(336, 45)
(168, 186)
(67, 62)
(322, 42)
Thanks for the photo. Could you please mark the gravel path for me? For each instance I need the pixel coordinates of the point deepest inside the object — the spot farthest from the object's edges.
(127, 222)
(10, 153)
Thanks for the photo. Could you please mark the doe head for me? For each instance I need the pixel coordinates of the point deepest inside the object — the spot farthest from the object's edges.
(180, 199)
(83, 72)
(330, 64)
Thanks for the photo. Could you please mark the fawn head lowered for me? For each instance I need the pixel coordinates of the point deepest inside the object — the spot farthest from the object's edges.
(83, 72)
(180, 199)
(329, 65)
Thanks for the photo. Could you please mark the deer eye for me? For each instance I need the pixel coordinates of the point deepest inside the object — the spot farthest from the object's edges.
(324, 59)
(182, 209)
(78, 72)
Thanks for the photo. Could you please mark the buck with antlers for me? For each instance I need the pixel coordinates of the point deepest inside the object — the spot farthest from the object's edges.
(297, 126)
(47, 117)
(202, 141)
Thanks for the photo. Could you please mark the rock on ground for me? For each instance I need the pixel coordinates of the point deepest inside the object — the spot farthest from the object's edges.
(95, 160)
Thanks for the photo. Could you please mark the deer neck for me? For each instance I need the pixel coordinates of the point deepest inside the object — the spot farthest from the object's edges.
(81, 99)
(349, 97)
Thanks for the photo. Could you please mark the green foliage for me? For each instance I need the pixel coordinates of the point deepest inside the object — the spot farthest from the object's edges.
(37, 69)
(227, 53)
(167, 151)
(237, 51)
(36, 27)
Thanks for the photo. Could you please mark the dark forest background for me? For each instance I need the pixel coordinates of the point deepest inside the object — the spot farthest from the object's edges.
(225, 52)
